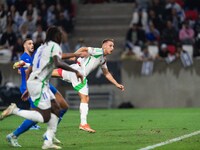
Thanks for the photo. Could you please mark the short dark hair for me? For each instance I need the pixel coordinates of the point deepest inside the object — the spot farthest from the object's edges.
(27, 39)
(53, 34)
(106, 40)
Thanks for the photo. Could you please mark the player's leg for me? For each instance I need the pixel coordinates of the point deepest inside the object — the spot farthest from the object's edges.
(82, 89)
(63, 108)
(25, 126)
(61, 101)
(37, 115)
(39, 95)
(63, 105)
(34, 126)
(12, 137)
(40, 99)
(83, 113)
(52, 127)
(33, 115)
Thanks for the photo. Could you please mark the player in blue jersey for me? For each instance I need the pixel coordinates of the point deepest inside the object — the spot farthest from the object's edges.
(27, 57)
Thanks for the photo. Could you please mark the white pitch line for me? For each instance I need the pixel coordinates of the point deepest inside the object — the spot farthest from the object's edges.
(170, 141)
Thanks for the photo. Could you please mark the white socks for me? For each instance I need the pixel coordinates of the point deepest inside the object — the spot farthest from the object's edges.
(37, 117)
(84, 112)
(29, 114)
(53, 122)
(51, 129)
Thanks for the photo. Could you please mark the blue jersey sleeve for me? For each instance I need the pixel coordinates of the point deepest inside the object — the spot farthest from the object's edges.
(53, 89)
(26, 58)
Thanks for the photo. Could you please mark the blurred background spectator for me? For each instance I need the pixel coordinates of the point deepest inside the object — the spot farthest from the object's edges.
(39, 33)
(139, 17)
(169, 34)
(65, 43)
(163, 52)
(80, 43)
(21, 19)
(8, 38)
(3, 18)
(186, 34)
(166, 21)
(135, 36)
(152, 34)
(17, 50)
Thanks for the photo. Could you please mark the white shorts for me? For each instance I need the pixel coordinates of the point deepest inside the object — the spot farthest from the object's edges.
(40, 93)
(72, 78)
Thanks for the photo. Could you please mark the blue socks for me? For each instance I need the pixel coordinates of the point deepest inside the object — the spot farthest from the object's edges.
(62, 112)
(24, 127)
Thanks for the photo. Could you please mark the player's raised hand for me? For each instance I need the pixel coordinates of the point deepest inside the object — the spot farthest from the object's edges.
(18, 64)
(121, 87)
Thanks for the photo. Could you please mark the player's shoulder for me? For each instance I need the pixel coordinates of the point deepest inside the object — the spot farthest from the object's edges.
(54, 46)
(52, 43)
(24, 54)
(25, 57)
(98, 49)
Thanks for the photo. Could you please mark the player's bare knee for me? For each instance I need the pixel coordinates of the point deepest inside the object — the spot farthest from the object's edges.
(88, 99)
(55, 109)
(84, 98)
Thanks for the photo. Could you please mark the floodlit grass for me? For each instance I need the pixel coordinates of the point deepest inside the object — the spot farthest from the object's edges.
(117, 129)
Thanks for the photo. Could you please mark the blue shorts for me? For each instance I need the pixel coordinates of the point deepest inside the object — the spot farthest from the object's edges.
(53, 89)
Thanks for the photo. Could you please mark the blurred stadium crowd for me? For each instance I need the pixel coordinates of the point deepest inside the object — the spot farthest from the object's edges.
(164, 27)
(20, 19)
(158, 27)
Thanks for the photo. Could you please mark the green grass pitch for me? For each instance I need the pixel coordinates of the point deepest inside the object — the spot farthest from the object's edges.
(117, 129)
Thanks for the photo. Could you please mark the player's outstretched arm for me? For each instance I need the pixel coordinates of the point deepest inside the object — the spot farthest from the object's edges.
(73, 56)
(109, 76)
(20, 64)
(68, 55)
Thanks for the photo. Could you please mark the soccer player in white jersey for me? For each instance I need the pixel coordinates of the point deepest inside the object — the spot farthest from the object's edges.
(47, 110)
(93, 58)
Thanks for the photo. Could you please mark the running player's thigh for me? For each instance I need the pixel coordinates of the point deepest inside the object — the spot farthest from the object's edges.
(61, 101)
(55, 109)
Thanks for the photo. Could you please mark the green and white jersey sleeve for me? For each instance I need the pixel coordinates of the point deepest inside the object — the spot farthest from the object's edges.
(96, 52)
(43, 60)
(95, 59)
